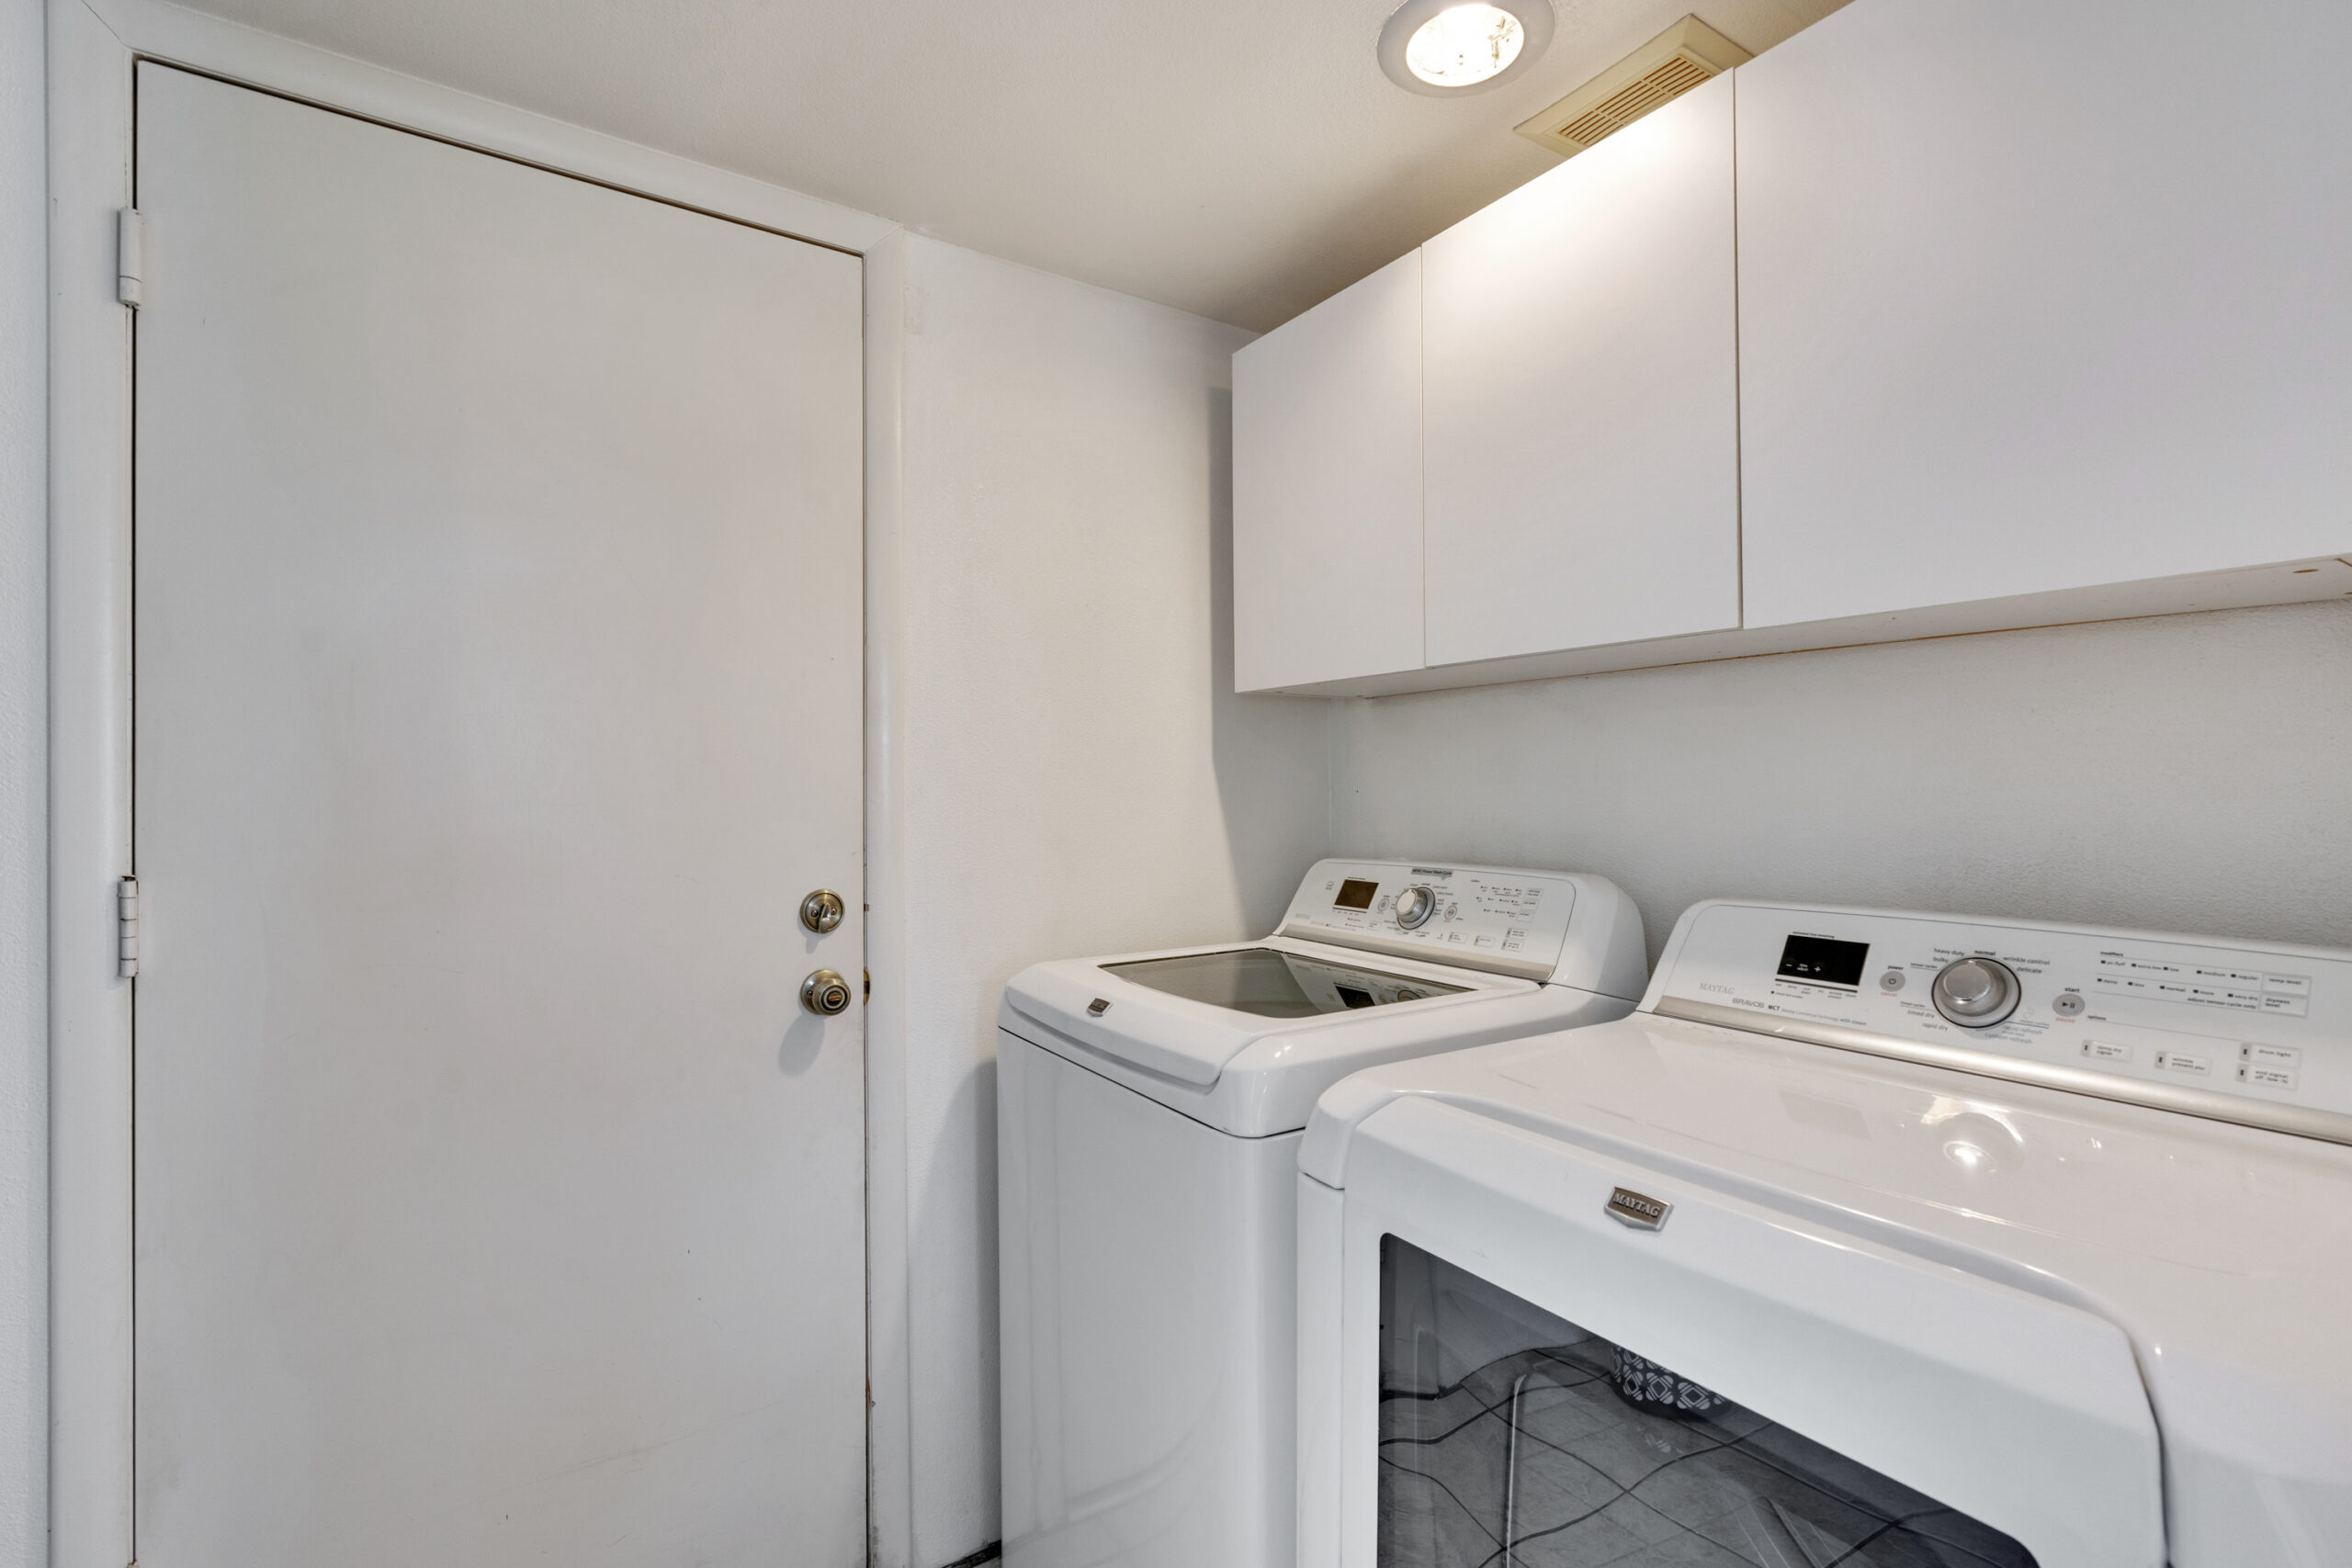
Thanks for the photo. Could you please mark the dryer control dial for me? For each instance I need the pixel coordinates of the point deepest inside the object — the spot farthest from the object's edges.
(1414, 905)
(1976, 993)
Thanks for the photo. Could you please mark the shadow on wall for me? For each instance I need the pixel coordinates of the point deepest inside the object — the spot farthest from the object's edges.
(968, 1121)
(1272, 755)
(2180, 772)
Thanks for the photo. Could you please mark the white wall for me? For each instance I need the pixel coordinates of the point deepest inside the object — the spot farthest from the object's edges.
(24, 850)
(1074, 771)
(2184, 773)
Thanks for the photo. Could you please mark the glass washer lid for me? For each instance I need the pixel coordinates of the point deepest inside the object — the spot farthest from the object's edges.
(1269, 983)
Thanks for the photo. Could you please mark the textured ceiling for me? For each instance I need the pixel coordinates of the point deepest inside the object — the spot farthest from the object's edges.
(1242, 159)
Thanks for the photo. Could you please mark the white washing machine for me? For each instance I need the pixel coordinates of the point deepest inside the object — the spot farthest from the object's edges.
(1149, 1109)
(1871, 1238)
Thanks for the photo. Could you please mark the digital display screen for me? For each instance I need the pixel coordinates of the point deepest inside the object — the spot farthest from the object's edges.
(1355, 894)
(1823, 961)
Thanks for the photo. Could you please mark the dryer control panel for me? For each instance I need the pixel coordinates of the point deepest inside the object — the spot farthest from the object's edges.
(1508, 922)
(2245, 1032)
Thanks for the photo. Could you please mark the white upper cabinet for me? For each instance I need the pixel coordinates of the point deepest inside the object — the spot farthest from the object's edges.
(2038, 296)
(1942, 316)
(1581, 421)
(1326, 488)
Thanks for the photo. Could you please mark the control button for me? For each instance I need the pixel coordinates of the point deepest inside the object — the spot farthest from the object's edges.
(1975, 993)
(2067, 1004)
(1414, 905)
(1891, 981)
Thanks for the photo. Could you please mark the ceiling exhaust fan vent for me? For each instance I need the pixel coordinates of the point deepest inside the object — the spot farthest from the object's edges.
(1662, 70)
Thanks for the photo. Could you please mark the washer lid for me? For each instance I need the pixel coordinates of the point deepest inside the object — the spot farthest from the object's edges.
(1183, 1014)
(1267, 982)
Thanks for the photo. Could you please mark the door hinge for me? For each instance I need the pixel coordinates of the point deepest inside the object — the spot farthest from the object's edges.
(126, 927)
(130, 257)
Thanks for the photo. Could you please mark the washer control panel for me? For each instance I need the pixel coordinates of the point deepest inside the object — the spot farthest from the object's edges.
(1512, 922)
(2272, 1024)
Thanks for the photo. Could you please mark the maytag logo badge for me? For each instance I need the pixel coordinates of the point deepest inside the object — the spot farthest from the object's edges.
(1638, 1209)
(1098, 1007)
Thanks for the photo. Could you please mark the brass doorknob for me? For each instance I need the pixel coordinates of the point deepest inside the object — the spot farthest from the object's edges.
(822, 910)
(825, 993)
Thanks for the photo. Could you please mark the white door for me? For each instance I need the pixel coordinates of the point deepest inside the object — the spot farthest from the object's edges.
(1582, 398)
(498, 699)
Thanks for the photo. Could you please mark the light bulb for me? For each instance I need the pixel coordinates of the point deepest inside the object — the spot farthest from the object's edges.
(1463, 45)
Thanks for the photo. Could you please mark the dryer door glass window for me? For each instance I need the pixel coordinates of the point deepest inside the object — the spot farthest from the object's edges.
(1512, 1438)
(1269, 983)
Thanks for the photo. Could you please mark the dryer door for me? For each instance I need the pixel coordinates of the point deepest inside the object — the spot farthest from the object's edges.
(1529, 1376)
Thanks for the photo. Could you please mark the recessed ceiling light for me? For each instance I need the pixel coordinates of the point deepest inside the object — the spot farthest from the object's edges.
(1463, 45)
(1446, 47)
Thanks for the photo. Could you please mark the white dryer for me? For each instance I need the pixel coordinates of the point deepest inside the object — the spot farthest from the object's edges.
(1871, 1238)
(1149, 1113)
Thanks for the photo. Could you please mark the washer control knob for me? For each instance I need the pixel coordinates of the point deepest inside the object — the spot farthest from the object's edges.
(1976, 993)
(1414, 905)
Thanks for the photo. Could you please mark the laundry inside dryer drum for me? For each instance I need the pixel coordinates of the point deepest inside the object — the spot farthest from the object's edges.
(1514, 1439)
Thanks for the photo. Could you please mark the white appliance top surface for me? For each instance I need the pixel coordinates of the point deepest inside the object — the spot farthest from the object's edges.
(1189, 1040)
(1274, 982)
(1340, 985)
(2019, 1172)
(2224, 1250)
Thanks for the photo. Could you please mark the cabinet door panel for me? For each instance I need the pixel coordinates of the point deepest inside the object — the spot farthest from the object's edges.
(1326, 488)
(2043, 296)
(1581, 407)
